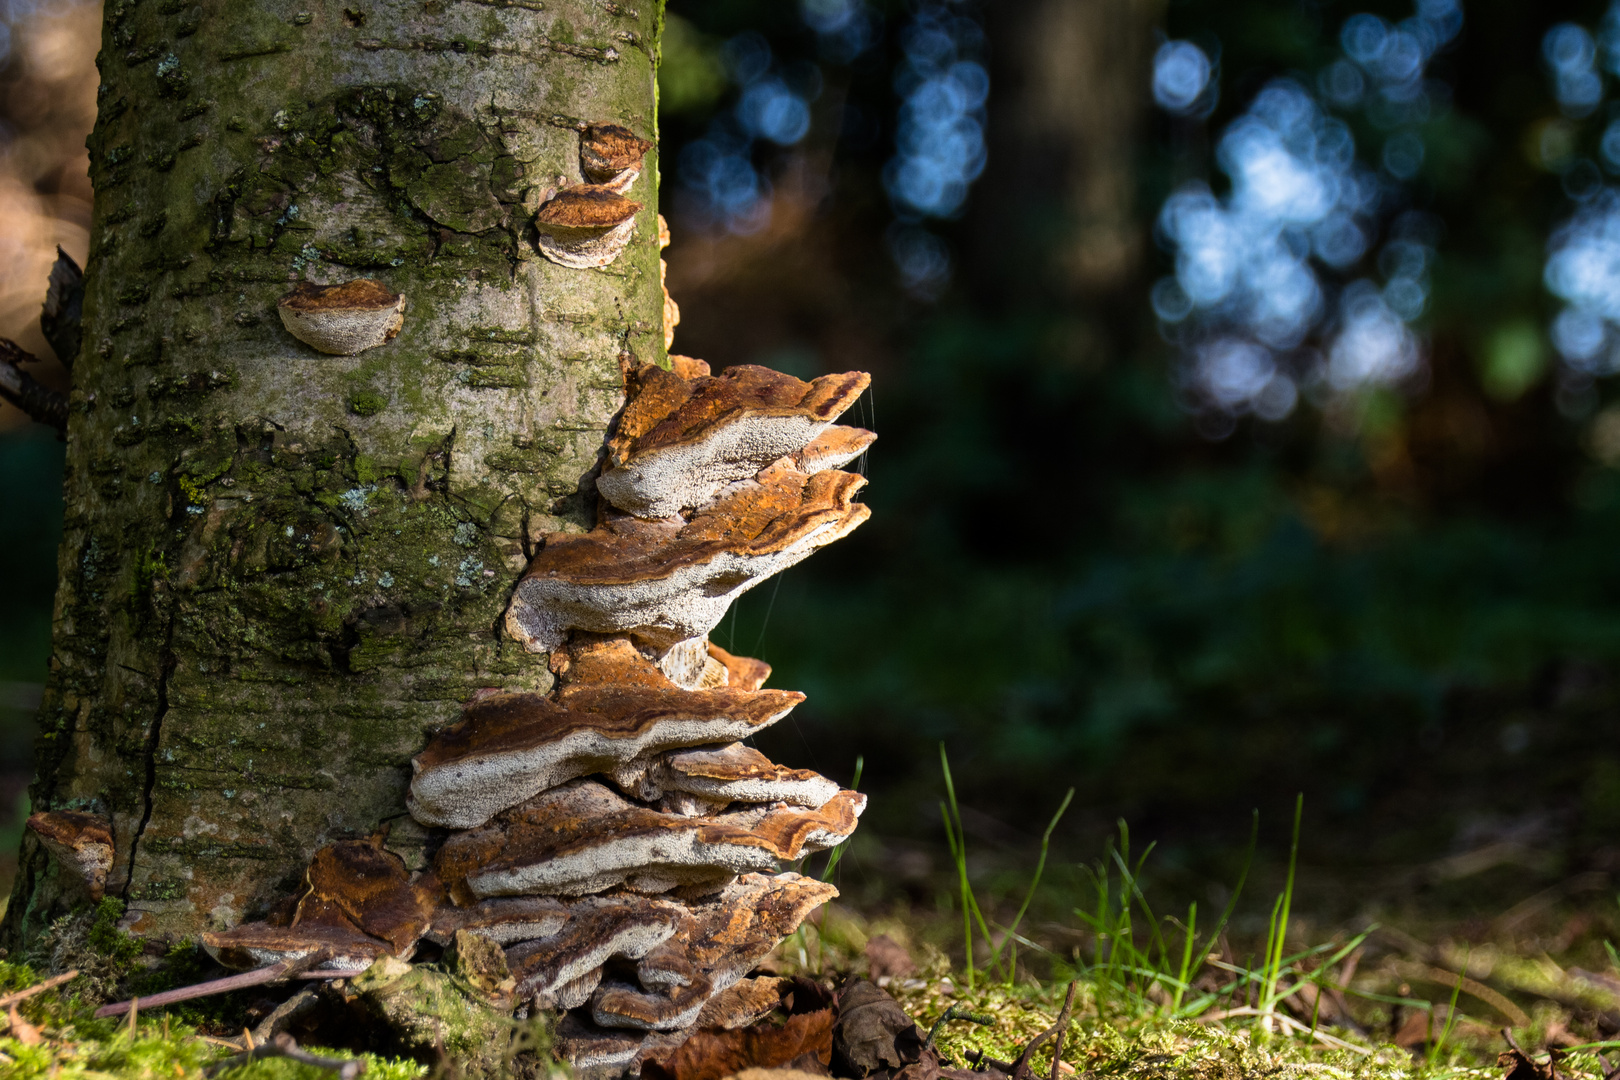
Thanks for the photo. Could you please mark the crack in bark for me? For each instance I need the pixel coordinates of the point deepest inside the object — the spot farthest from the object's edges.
(167, 660)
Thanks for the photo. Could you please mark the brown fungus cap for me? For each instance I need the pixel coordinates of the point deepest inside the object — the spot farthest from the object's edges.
(357, 904)
(583, 837)
(680, 440)
(672, 310)
(599, 929)
(371, 888)
(734, 773)
(503, 919)
(833, 449)
(688, 665)
(666, 581)
(342, 319)
(255, 945)
(81, 844)
(509, 747)
(610, 155)
(742, 672)
(585, 226)
(688, 367)
(599, 1053)
(717, 944)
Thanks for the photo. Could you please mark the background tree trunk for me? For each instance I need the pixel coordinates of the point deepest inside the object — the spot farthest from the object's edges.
(280, 569)
(1056, 214)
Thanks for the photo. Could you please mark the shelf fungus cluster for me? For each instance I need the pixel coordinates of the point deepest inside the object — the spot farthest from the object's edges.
(588, 224)
(613, 849)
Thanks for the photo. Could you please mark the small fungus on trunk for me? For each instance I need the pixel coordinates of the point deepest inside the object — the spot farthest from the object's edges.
(611, 155)
(585, 226)
(342, 319)
(81, 844)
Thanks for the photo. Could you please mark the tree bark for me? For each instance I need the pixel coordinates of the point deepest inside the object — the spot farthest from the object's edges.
(281, 569)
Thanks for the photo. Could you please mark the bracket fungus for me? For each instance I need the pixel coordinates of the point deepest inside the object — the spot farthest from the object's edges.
(357, 904)
(510, 747)
(342, 319)
(681, 440)
(718, 942)
(611, 848)
(669, 580)
(672, 310)
(585, 226)
(611, 155)
(584, 837)
(81, 844)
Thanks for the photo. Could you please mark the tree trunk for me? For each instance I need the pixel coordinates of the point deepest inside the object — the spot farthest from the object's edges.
(1058, 212)
(281, 568)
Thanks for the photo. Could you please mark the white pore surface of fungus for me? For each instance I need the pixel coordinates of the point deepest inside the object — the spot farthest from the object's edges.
(583, 248)
(469, 790)
(669, 479)
(687, 602)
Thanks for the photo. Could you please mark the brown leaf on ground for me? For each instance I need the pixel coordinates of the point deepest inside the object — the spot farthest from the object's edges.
(929, 1068)
(22, 1030)
(804, 995)
(874, 1032)
(887, 958)
(1519, 1066)
(803, 1042)
(1420, 1028)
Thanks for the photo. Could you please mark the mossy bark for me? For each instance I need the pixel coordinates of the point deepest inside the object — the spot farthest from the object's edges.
(282, 569)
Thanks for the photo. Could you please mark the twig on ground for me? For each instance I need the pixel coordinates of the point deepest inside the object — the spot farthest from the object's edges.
(1287, 1022)
(258, 977)
(1020, 1069)
(271, 1025)
(40, 402)
(38, 988)
(977, 1058)
(1063, 1027)
(955, 1012)
(284, 1046)
(1408, 969)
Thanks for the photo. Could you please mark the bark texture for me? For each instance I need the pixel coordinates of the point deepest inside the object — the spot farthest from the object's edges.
(282, 569)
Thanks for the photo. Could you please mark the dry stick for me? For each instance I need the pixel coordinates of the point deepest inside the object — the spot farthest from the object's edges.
(1057, 1030)
(38, 988)
(284, 1012)
(284, 1046)
(257, 977)
(1063, 1028)
(955, 1012)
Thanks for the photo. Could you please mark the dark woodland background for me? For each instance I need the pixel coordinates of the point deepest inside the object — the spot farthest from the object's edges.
(1098, 558)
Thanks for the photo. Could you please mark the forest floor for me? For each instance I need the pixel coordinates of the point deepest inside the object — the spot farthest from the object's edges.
(1351, 1004)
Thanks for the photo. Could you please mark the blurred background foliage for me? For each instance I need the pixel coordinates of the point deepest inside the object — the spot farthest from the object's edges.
(1241, 369)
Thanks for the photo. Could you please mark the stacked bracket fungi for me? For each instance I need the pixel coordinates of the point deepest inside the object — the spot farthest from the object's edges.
(587, 225)
(612, 848)
(628, 788)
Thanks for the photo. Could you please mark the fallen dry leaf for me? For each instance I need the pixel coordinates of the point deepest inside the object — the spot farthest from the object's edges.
(1519, 1065)
(803, 1042)
(22, 1030)
(874, 1032)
